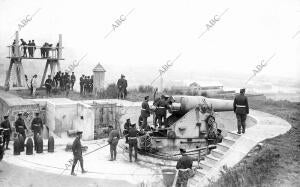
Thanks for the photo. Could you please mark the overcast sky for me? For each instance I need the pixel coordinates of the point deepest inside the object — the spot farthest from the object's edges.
(157, 31)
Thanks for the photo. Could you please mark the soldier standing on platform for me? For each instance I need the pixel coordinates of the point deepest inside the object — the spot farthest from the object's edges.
(73, 79)
(30, 49)
(37, 128)
(6, 131)
(13, 48)
(113, 140)
(24, 44)
(145, 112)
(132, 141)
(48, 84)
(77, 153)
(241, 109)
(20, 126)
(33, 47)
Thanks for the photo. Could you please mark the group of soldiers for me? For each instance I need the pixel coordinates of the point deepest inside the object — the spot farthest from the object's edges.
(20, 129)
(161, 105)
(86, 84)
(62, 81)
(28, 49)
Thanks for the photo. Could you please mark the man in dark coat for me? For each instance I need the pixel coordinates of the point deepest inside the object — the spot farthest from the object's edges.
(126, 129)
(33, 47)
(81, 83)
(6, 131)
(241, 109)
(145, 111)
(132, 141)
(30, 49)
(62, 81)
(48, 84)
(20, 126)
(73, 79)
(77, 153)
(13, 46)
(37, 128)
(57, 79)
(122, 87)
(68, 84)
(113, 140)
(161, 110)
(184, 165)
(85, 85)
(24, 45)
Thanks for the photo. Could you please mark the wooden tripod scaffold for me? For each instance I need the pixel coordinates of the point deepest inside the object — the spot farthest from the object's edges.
(53, 58)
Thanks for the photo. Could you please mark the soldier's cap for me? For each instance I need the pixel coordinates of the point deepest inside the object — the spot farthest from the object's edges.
(219, 130)
(122, 75)
(5, 117)
(166, 96)
(242, 90)
(20, 114)
(128, 119)
(79, 132)
(147, 97)
(37, 113)
(182, 150)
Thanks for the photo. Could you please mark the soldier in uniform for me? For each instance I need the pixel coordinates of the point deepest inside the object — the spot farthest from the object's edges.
(161, 111)
(184, 165)
(20, 126)
(68, 84)
(113, 140)
(33, 47)
(145, 112)
(85, 85)
(24, 44)
(57, 79)
(122, 87)
(6, 131)
(81, 83)
(132, 141)
(48, 84)
(126, 129)
(73, 79)
(77, 152)
(61, 83)
(241, 109)
(37, 128)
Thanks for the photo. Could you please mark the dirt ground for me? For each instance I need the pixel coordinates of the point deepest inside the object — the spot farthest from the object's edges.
(16, 176)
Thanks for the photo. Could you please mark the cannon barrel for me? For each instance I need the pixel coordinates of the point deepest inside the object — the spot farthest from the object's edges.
(184, 103)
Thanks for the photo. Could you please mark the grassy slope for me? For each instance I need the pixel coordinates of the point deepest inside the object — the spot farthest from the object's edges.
(277, 161)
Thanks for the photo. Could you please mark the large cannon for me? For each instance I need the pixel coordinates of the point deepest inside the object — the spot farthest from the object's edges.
(191, 124)
(183, 104)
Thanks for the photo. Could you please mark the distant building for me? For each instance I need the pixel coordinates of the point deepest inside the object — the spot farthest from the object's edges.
(98, 78)
(199, 89)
